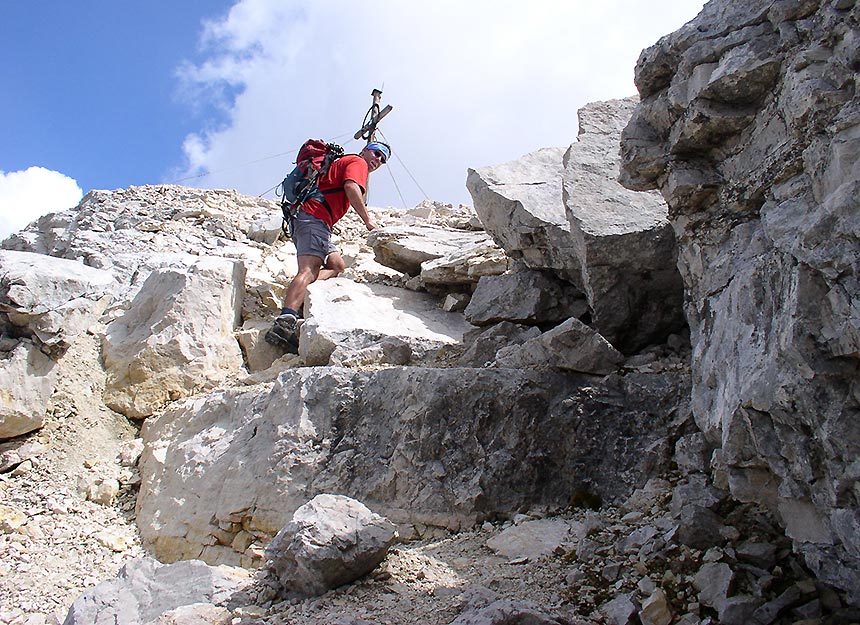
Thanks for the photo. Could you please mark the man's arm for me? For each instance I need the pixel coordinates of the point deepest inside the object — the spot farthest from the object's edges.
(356, 200)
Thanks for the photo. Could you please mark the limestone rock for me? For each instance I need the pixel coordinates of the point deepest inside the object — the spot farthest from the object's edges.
(520, 205)
(531, 539)
(249, 459)
(259, 355)
(752, 138)
(695, 491)
(351, 317)
(699, 527)
(11, 519)
(693, 453)
(145, 589)
(655, 609)
(714, 583)
(266, 229)
(175, 339)
(332, 540)
(52, 299)
(624, 244)
(466, 266)
(529, 297)
(405, 248)
(13, 453)
(571, 346)
(27, 377)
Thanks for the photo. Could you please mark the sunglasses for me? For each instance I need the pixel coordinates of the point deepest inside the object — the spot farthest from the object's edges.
(380, 156)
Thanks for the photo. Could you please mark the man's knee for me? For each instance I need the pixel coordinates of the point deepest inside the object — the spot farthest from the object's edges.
(335, 263)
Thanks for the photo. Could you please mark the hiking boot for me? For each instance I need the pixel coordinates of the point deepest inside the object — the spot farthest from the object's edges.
(285, 333)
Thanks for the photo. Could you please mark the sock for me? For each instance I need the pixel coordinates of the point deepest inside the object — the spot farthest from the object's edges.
(289, 311)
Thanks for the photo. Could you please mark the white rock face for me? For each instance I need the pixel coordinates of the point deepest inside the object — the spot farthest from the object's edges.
(332, 540)
(349, 316)
(27, 377)
(176, 338)
(53, 298)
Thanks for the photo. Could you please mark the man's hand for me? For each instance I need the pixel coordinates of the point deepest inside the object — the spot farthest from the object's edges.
(356, 200)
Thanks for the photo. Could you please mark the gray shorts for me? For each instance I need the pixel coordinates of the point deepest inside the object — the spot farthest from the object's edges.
(312, 236)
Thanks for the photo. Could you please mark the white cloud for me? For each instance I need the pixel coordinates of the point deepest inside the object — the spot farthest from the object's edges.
(29, 194)
(472, 83)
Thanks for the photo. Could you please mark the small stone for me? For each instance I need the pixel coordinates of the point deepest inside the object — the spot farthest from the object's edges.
(646, 586)
(113, 540)
(633, 517)
(714, 554)
(11, 519)
(655, 609)
(22, 469)
(130, 451)
(104, 491)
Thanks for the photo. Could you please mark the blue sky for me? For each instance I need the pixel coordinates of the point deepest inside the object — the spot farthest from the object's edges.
(219, 94)
(91, 87)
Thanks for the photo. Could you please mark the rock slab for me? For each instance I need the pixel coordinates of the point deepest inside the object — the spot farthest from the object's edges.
(520, 204)
(222, 474)
(144, 590)
(349, 317)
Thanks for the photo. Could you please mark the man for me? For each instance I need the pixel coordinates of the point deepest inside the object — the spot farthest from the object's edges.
(342, 186)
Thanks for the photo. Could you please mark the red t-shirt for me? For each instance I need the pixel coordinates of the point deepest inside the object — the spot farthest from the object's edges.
(349, 167)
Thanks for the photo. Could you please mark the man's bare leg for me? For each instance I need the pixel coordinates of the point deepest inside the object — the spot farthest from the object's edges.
(309, 270)
(334, 265)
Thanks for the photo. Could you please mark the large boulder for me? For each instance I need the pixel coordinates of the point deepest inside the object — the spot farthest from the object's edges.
(332, 540)
(51, 299)
(176, 338)
(624, 243)
(749, 125)
(349, 317)
(27, 377)
(222, 474)
(520, 205)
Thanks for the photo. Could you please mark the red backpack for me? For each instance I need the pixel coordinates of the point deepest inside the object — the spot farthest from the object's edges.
(302, 183)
